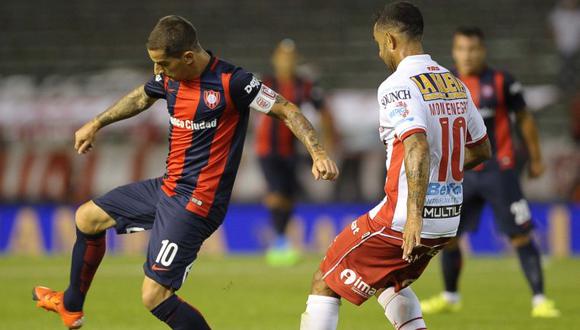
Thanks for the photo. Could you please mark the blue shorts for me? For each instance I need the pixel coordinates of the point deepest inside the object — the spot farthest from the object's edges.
(176, 233)
(280, 174)
(501, 189)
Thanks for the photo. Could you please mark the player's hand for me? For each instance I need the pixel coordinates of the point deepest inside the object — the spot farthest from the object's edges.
(85, 137)
(536, 169)
(324, 168)
(411, 237)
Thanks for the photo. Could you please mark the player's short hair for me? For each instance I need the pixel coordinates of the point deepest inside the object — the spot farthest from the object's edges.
(174, 35)
(403, 16)
(470, 31)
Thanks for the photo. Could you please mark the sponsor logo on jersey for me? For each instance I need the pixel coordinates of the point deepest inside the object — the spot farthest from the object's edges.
(130, 230)
(211, 98)
(440, 189)
(354, 227)
(191, 125)
(158, 268)
(395, 95)
(441, 212)
(350, 277)
(253, 84)
(399, 110)
(439, 86)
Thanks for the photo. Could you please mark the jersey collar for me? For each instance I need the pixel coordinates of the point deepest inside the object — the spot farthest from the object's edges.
(415, 59)
(211, 64)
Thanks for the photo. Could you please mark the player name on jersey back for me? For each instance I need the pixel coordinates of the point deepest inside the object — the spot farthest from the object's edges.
(439, 86)
(423, 97)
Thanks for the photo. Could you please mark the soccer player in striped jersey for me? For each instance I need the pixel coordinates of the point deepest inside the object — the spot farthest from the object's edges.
(209, 102)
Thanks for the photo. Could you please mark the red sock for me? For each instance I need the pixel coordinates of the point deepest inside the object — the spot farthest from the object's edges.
(87, 254)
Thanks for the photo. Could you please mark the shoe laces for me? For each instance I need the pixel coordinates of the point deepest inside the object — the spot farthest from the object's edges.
(52, 297)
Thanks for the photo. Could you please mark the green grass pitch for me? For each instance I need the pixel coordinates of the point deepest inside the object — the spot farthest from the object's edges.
(242, 293)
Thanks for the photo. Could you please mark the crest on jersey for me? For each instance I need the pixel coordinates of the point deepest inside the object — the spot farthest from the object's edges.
(211, 98)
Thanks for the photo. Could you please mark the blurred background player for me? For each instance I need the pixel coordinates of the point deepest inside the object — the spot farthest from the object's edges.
(499, 98)
(276, 147)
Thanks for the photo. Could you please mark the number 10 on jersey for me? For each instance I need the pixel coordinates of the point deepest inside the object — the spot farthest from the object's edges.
(458, 128)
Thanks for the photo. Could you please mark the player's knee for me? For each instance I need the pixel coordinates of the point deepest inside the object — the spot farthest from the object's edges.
(91, 219)
(407, 305)
(401, 307)
(150, 299)
(319, 286)
(153, 294)
(520, 240)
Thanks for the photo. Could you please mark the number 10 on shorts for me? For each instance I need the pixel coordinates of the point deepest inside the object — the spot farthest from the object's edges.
(167, 253)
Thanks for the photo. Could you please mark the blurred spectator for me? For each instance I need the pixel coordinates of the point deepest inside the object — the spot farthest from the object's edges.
(565, 26)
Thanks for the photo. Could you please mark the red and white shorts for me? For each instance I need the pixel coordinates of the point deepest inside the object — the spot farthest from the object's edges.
(366, 257)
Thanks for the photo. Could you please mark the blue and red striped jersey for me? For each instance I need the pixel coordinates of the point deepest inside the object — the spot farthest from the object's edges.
(207, 127)
(497, 95)
(273, 137)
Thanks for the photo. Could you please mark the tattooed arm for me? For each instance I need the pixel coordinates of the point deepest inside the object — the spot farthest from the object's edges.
(130, 105)
(323, 167)
(417, 170)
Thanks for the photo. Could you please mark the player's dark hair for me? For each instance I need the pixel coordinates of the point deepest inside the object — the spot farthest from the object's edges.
(470, 31)
(174, 35)
(403, 16)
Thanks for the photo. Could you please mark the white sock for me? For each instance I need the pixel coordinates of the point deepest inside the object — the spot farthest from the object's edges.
(321, 313)
(538, 299)
(402, 309)
(452, 297)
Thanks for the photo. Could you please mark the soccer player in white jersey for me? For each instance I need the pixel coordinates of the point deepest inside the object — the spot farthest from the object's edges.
(432, 132)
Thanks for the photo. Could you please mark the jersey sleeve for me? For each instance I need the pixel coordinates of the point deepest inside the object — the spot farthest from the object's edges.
(248, 92)
(155, 87)
(402, 110)
(476, 130)
(513, 92)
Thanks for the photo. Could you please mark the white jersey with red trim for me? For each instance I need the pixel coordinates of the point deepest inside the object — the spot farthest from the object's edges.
(421, 96)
